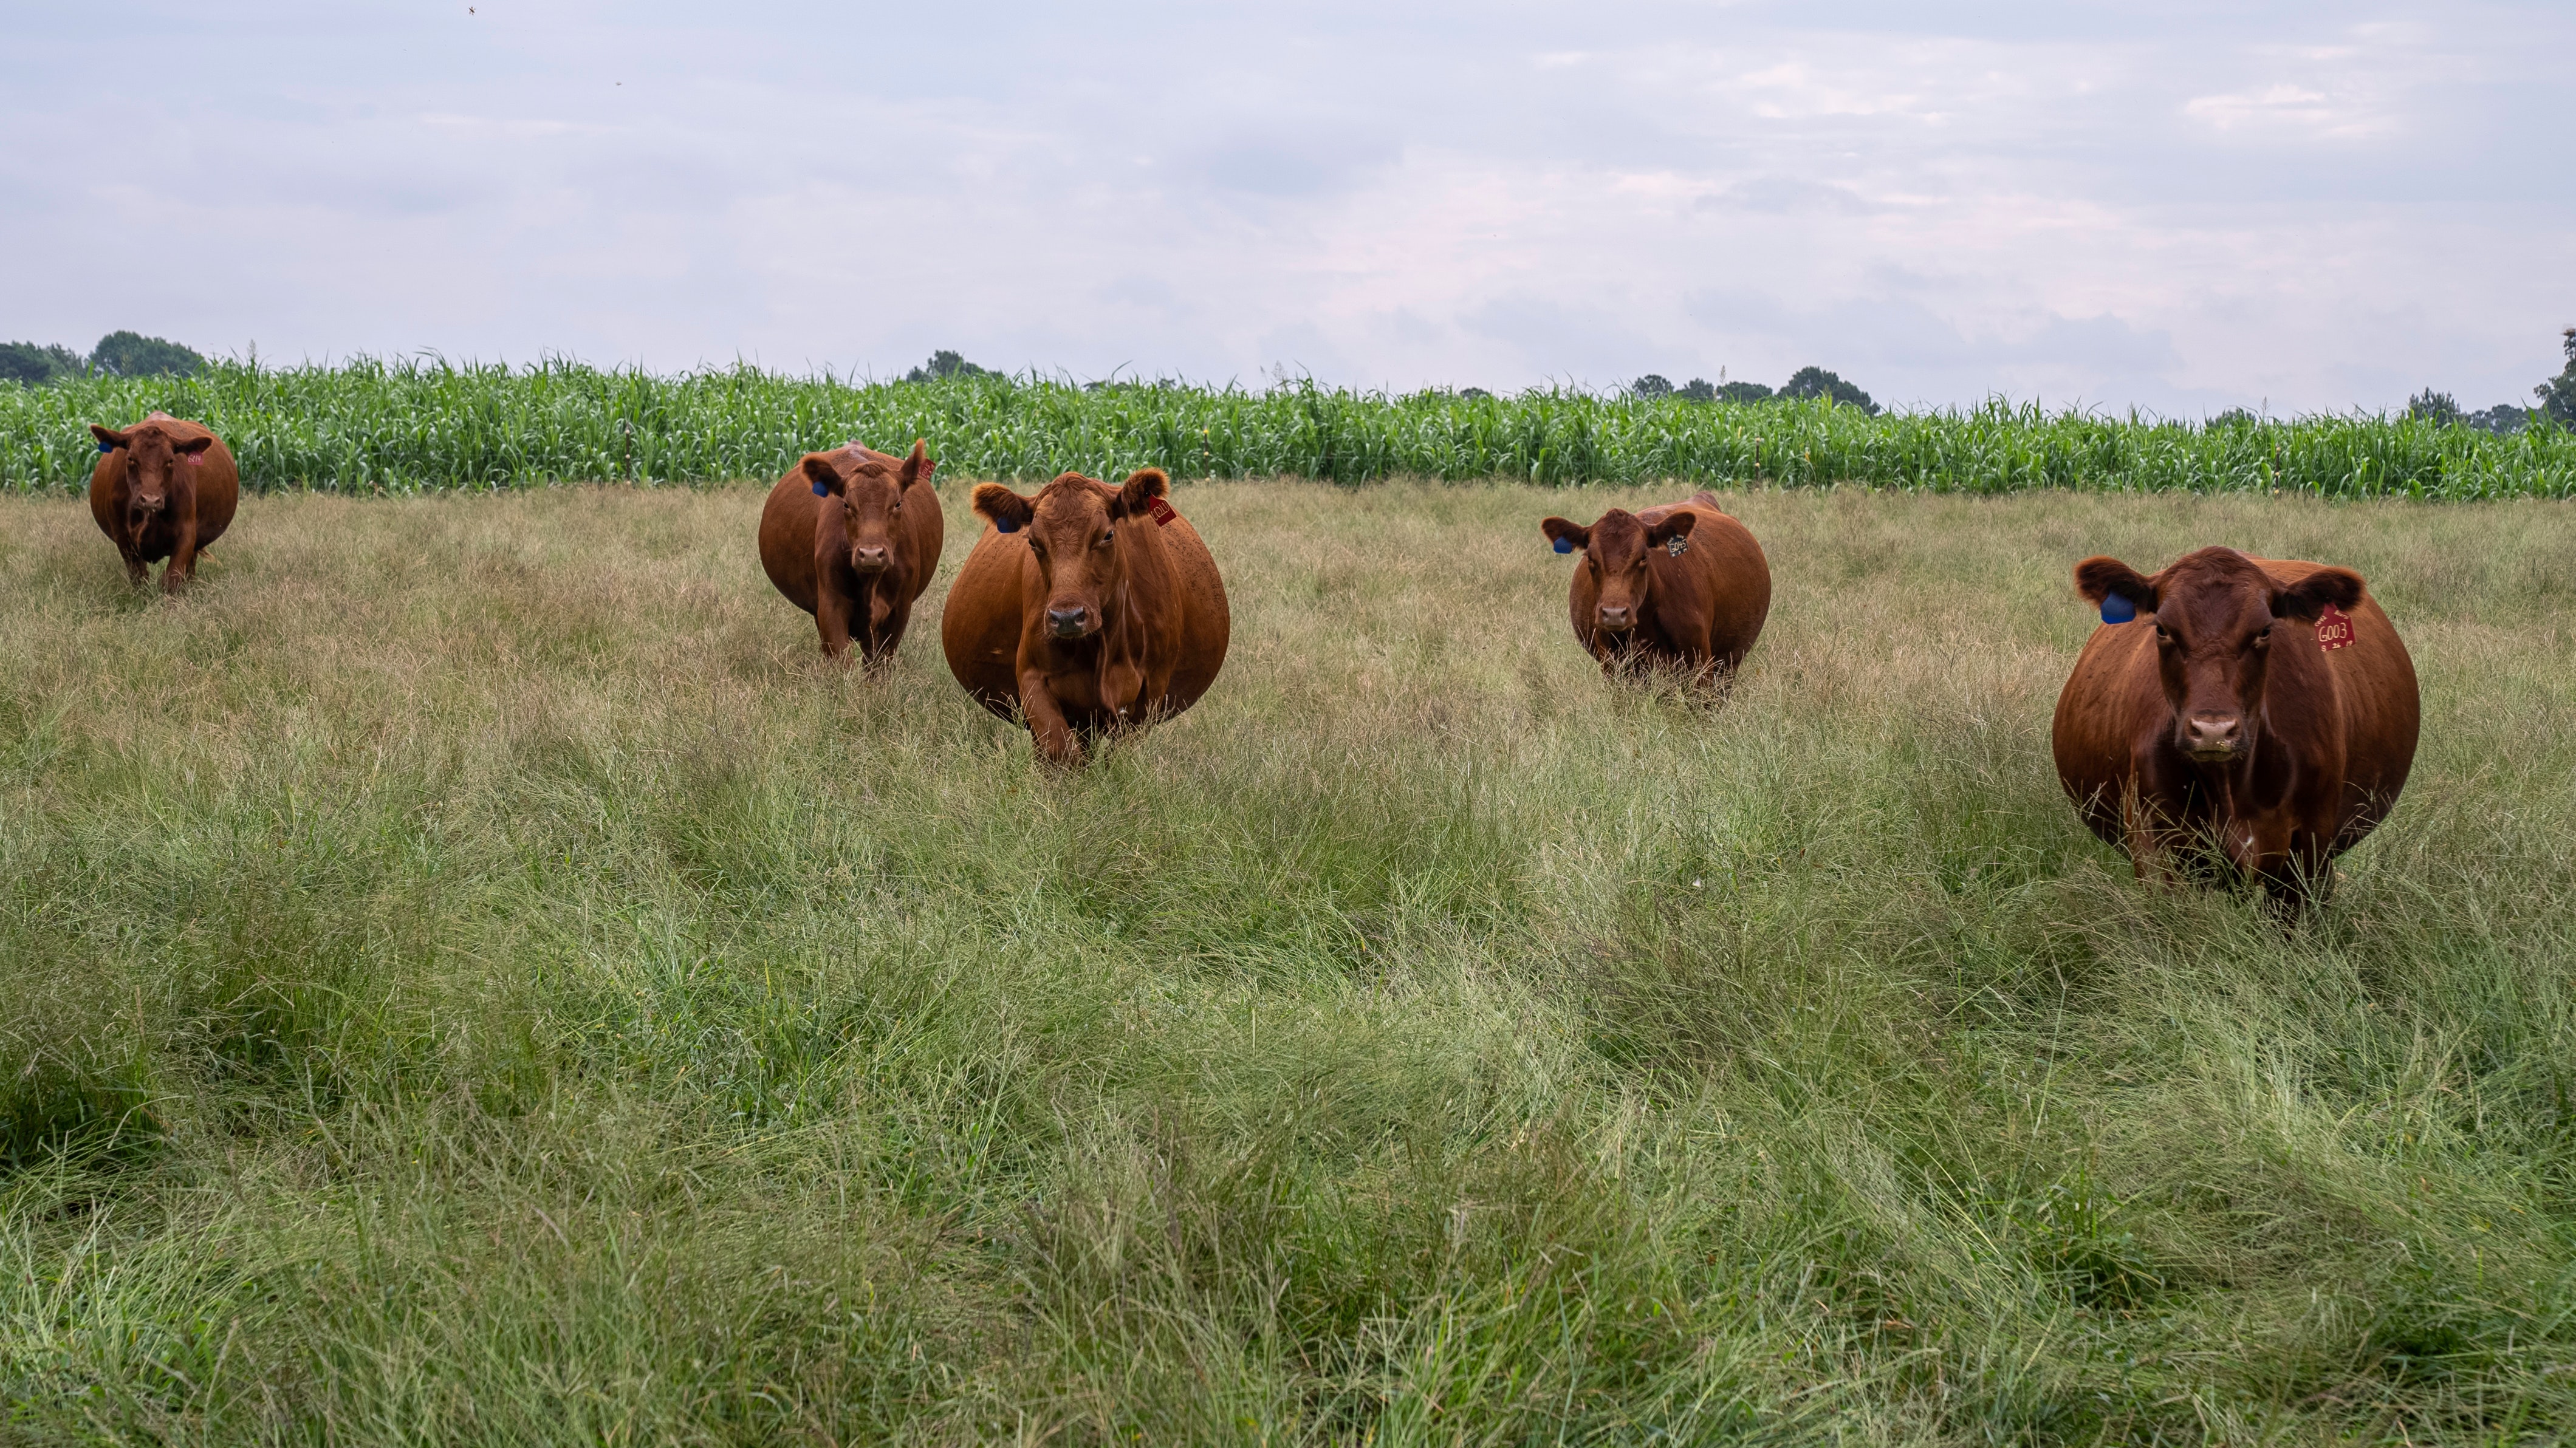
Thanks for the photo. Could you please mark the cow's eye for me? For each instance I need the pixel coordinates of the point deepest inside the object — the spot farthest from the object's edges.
(1107, 535)
(2262, 637)
(2164, 635)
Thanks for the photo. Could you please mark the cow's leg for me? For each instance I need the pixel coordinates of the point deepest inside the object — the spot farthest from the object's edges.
(137, 572)
(832, 618)
(2150, 849)
(888, 614)
(1055, 736)
(183, 558)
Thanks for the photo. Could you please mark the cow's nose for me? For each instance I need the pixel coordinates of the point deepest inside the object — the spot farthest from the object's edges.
(1066, 623)
(868, 560)
(1617, 616)
(2213, 735)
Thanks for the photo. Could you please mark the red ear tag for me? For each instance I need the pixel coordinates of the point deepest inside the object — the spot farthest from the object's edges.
(2334, 629)
(1161, 510)
(196, 459)
(928, 466)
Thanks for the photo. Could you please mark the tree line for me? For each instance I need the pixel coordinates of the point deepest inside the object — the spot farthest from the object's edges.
(118, 354)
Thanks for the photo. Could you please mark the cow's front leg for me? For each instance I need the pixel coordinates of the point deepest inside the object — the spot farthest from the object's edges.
(832, 618)
(888, 615)
(1047, 725)
(2149, 843)
(183, 558)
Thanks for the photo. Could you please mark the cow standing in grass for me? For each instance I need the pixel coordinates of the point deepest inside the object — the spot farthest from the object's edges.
(163, 488)
(2247, 713)
(1680, 585)
(852, 537)
(1085, 610)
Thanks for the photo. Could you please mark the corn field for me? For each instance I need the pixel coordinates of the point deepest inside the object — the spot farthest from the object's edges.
(412, 426)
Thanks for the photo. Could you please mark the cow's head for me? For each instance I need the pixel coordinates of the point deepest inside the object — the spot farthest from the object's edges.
(153, 459)
(1073, 525)
(2214, 616)
(862, 494)
(1615, 549)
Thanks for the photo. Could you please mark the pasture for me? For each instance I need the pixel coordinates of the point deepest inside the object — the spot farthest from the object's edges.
(471, 972)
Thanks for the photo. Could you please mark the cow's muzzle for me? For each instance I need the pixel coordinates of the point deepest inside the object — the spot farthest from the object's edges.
(148, 506)
(870, 560)
(2213, 738)
(1069, 623)
(1617, 618)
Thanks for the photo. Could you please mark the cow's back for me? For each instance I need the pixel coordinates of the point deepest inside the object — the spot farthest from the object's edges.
(979, 629)
(2374, 690)
(1207, 625)
(787, 522)
(1731, 566)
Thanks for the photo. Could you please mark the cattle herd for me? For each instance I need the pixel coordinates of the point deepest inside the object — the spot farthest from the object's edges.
(2231, 717)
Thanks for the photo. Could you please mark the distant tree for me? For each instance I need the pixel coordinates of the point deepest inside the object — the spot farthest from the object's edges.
(945, 364)
(131, 354)
(1744, 392)
(1472, 393)
(2504, 419)
(2233, 417)
(1650, 387)
(2558, 394)
(1698, 389)
(28, 363)
(2431, 406)
(1817, 382)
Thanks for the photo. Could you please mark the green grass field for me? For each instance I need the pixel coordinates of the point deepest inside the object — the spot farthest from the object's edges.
(415, 426)
(471, 972)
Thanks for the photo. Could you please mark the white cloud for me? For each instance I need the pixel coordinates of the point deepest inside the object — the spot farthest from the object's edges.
(2175, 207)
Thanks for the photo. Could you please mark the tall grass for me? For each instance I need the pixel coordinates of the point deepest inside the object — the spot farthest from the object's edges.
(470, 972)
(413, 426)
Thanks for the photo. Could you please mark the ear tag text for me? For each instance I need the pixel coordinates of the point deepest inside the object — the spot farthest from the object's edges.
(2334, 629)
(1564, 545)
(196, 459)
(2118, 608)
(1162, 511)
(1676, 546)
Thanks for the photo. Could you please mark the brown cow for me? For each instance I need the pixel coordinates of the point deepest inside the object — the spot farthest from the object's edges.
(2259, 713)
(163, 488)
(852, 537)
(1088, 609)
(1678, 584)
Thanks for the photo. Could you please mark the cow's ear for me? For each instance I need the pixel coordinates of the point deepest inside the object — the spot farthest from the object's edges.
(1143, 486)
(2308, 597)
(1678, 525)
(194, 446)
(918, 466)
(2099, 578)
(1567, 535)
(106, 439)
(825, 477)
(1007, 510)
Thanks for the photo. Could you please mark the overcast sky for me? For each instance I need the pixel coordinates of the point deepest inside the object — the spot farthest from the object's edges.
(2179, 206)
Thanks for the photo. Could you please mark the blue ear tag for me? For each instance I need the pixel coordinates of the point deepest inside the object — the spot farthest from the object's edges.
(107, 447)
(1564, 545)
(822, 492)
(1006, 525)
(2118, 608)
